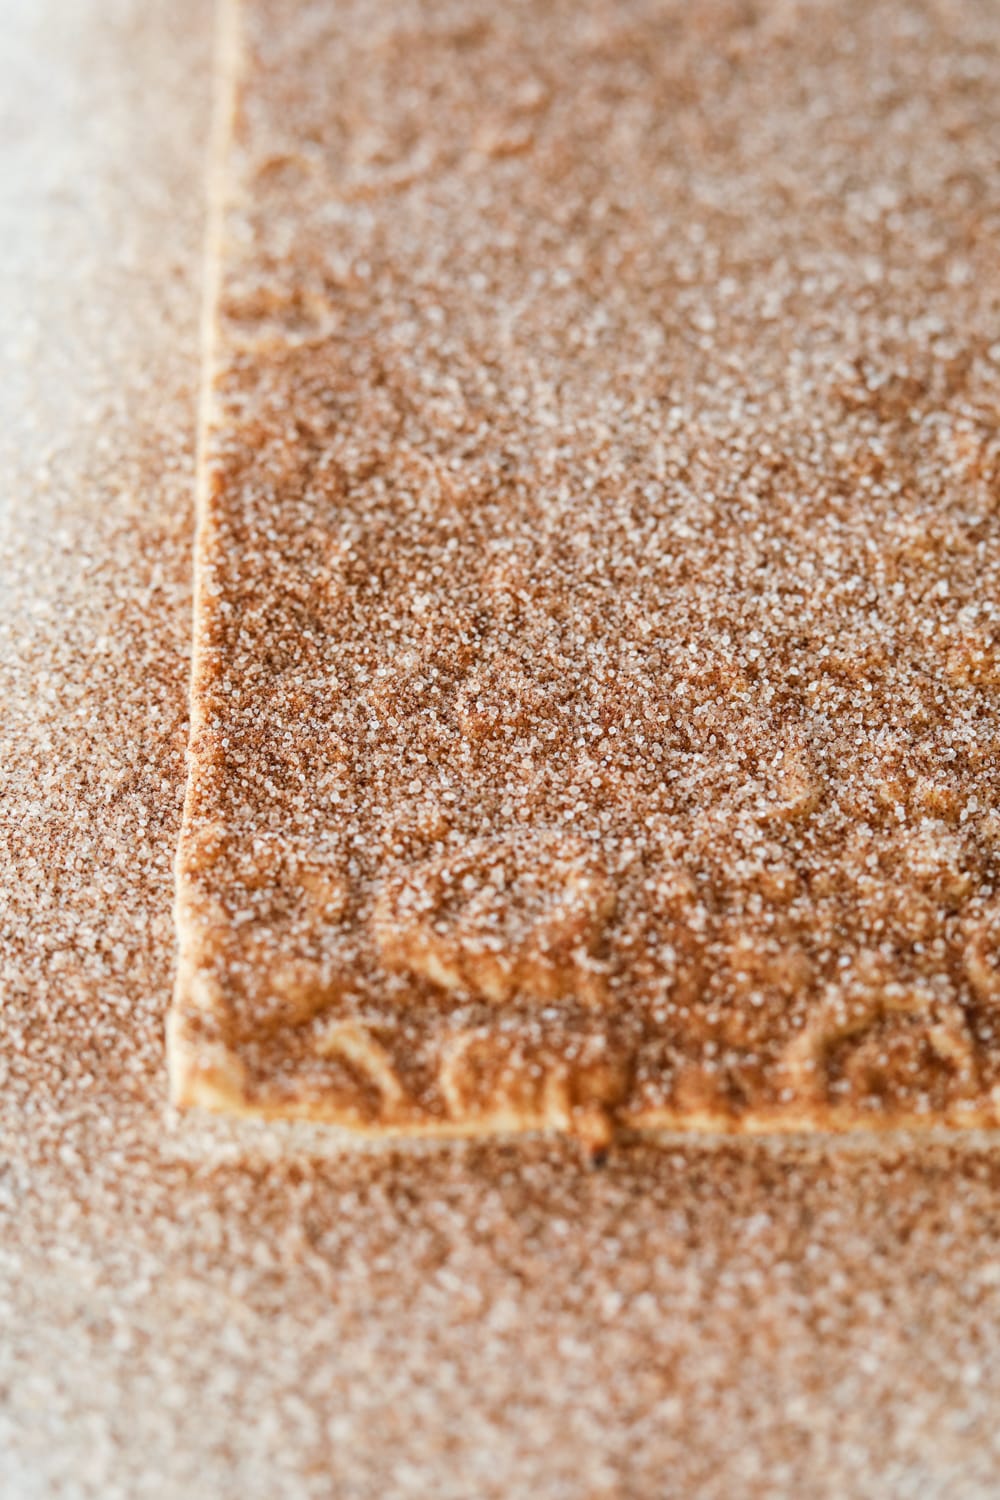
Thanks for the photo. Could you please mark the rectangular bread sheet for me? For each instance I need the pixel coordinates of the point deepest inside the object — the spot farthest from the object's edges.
(594, 715)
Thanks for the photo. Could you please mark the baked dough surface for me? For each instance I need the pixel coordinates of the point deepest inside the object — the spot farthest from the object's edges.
(594, 710)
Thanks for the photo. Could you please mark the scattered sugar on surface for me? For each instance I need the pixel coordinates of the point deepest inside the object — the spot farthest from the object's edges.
(233, 1311)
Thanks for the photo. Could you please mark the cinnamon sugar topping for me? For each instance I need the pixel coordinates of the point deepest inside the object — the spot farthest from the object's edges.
(597, 630)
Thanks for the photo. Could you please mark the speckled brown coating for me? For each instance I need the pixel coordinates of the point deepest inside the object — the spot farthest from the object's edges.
(596, 677)
(195, 1308)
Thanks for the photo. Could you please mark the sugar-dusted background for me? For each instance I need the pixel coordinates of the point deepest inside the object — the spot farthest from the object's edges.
(192, 1310)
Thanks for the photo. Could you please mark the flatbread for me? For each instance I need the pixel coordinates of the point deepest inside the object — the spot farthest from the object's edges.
(594, 710)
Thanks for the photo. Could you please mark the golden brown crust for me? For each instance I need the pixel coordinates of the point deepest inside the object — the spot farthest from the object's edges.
(595, 685)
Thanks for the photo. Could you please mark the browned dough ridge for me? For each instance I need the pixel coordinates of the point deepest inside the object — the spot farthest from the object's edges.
(594, 703)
